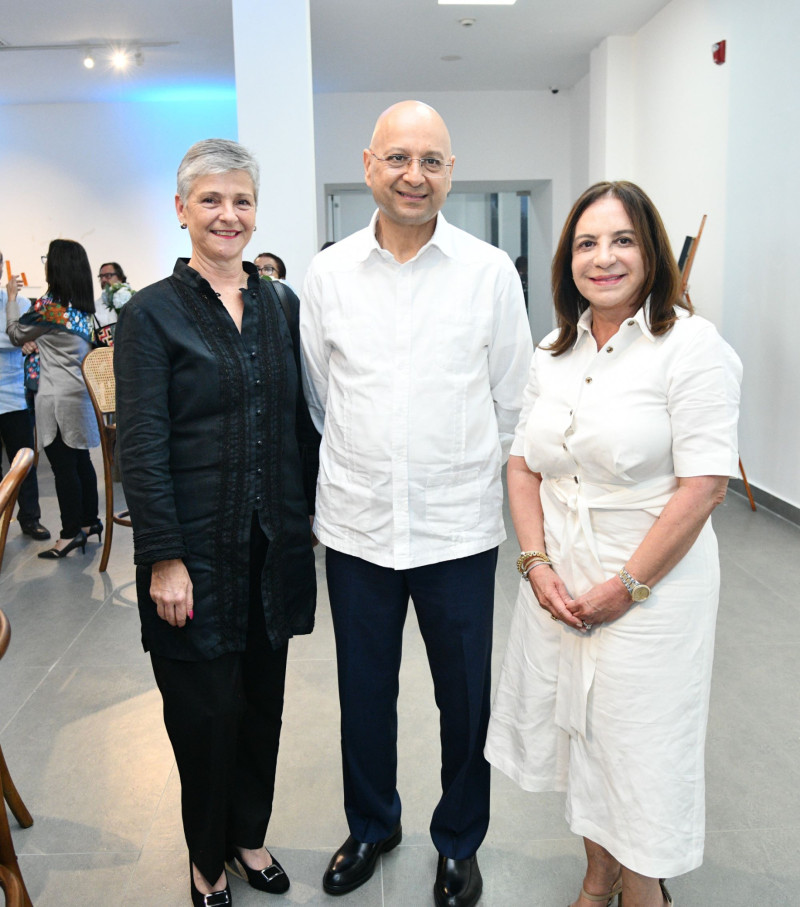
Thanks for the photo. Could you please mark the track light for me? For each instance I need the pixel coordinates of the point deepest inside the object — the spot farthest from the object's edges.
(120, 59)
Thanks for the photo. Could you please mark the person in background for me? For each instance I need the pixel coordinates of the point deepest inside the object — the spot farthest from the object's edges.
(219, 478)
(416, 346)
(270, 265)
(16, 420)
(116, 291)
(623, 449)
(521, 264)
(60, 325)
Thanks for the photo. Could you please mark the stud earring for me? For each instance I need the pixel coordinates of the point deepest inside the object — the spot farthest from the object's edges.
(254, 228)
(184, 226)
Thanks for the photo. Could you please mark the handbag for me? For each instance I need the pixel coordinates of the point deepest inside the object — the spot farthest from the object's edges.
(103, 334)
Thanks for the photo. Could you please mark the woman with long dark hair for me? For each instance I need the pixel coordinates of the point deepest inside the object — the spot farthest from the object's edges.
(624, 446)
(61, 324)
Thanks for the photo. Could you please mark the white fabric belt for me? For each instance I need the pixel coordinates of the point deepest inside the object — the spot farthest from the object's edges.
(580, 568)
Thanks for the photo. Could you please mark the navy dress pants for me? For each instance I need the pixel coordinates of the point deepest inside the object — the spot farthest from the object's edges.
(454, 602)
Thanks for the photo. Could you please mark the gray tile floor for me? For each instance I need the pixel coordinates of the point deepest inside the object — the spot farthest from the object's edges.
(81, 729)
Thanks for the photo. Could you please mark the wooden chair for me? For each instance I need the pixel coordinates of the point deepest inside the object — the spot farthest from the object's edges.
(9, 489)
(98, 372)
(11, 879)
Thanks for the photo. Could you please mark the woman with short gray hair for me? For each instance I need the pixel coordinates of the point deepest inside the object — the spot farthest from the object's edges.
(219, 470)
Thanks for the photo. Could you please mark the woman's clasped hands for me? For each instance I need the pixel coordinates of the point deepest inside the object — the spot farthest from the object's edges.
(601, 604)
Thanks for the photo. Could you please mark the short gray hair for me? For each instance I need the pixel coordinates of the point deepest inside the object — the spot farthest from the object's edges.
(215, 156)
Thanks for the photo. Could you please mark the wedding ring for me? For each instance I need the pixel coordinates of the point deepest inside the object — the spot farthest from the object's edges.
(586, 626)
(553, 617)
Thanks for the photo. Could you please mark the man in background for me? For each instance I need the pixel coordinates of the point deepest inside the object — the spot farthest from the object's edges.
(16, 420)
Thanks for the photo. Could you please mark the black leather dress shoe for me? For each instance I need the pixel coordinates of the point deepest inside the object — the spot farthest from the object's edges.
(35, 530)
(354, 862)
(458, 882)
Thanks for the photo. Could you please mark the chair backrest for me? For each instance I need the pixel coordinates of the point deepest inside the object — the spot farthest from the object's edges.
(98, 372)
(9, 489)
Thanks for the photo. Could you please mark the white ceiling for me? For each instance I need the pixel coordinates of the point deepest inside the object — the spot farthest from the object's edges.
(358, 45)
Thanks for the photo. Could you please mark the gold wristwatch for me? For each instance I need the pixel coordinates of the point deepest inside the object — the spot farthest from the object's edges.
(639, 592)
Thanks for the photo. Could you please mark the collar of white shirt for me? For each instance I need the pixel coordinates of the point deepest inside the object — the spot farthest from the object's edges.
(641, 318)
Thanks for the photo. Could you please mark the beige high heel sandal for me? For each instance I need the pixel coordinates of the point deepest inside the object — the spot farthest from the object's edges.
(608, 898)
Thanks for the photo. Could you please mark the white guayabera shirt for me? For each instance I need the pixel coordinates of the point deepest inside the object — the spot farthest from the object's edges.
(414, 375)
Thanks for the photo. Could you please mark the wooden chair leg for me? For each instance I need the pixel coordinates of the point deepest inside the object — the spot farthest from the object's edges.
(108, 450)
(13, 888)
(8, 857)
(747, 486)
(12, 797)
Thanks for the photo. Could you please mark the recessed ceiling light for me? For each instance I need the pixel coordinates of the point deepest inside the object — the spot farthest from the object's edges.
(88, 60)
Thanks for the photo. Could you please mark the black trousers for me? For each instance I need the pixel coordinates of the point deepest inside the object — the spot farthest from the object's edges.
(16, 432)
(76, 485)
(454, 601)
(223, 717)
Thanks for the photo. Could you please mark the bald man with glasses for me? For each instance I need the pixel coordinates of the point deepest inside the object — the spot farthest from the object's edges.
(417, 348)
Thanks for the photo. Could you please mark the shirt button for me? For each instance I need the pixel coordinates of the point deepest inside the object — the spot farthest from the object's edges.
(257, 382)
(588, 380)
(564, 446)
(258, 500)
(570, 412)
(259, 471)
(259, 443)
(609, 349)
(631, 323)
(576, 479)
(253, 354)
(258, 412)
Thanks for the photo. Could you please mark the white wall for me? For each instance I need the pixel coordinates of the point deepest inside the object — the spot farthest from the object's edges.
(101, 174)
(721, 140)
(762, 294)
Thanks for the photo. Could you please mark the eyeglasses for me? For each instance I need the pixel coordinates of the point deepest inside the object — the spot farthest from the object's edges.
(430, 166)
(107, 274)
(267, 269)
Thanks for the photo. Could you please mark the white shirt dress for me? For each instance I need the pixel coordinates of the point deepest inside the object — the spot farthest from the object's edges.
(617, 717)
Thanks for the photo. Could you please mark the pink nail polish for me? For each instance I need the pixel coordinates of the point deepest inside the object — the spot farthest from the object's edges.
(191, 615)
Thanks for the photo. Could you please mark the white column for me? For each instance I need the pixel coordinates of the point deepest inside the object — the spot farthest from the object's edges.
(612, 100)
(272, 48)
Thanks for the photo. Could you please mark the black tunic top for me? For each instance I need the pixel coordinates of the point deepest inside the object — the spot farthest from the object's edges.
(212, 429)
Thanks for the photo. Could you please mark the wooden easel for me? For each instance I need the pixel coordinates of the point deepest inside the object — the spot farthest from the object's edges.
(685, 263)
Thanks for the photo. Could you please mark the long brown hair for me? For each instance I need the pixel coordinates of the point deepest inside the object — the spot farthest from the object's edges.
(662, 279)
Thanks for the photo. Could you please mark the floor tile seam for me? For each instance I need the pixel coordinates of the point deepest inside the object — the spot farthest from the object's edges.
(761, 578)
(154, 814)
(42, 679)
(78, 635)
